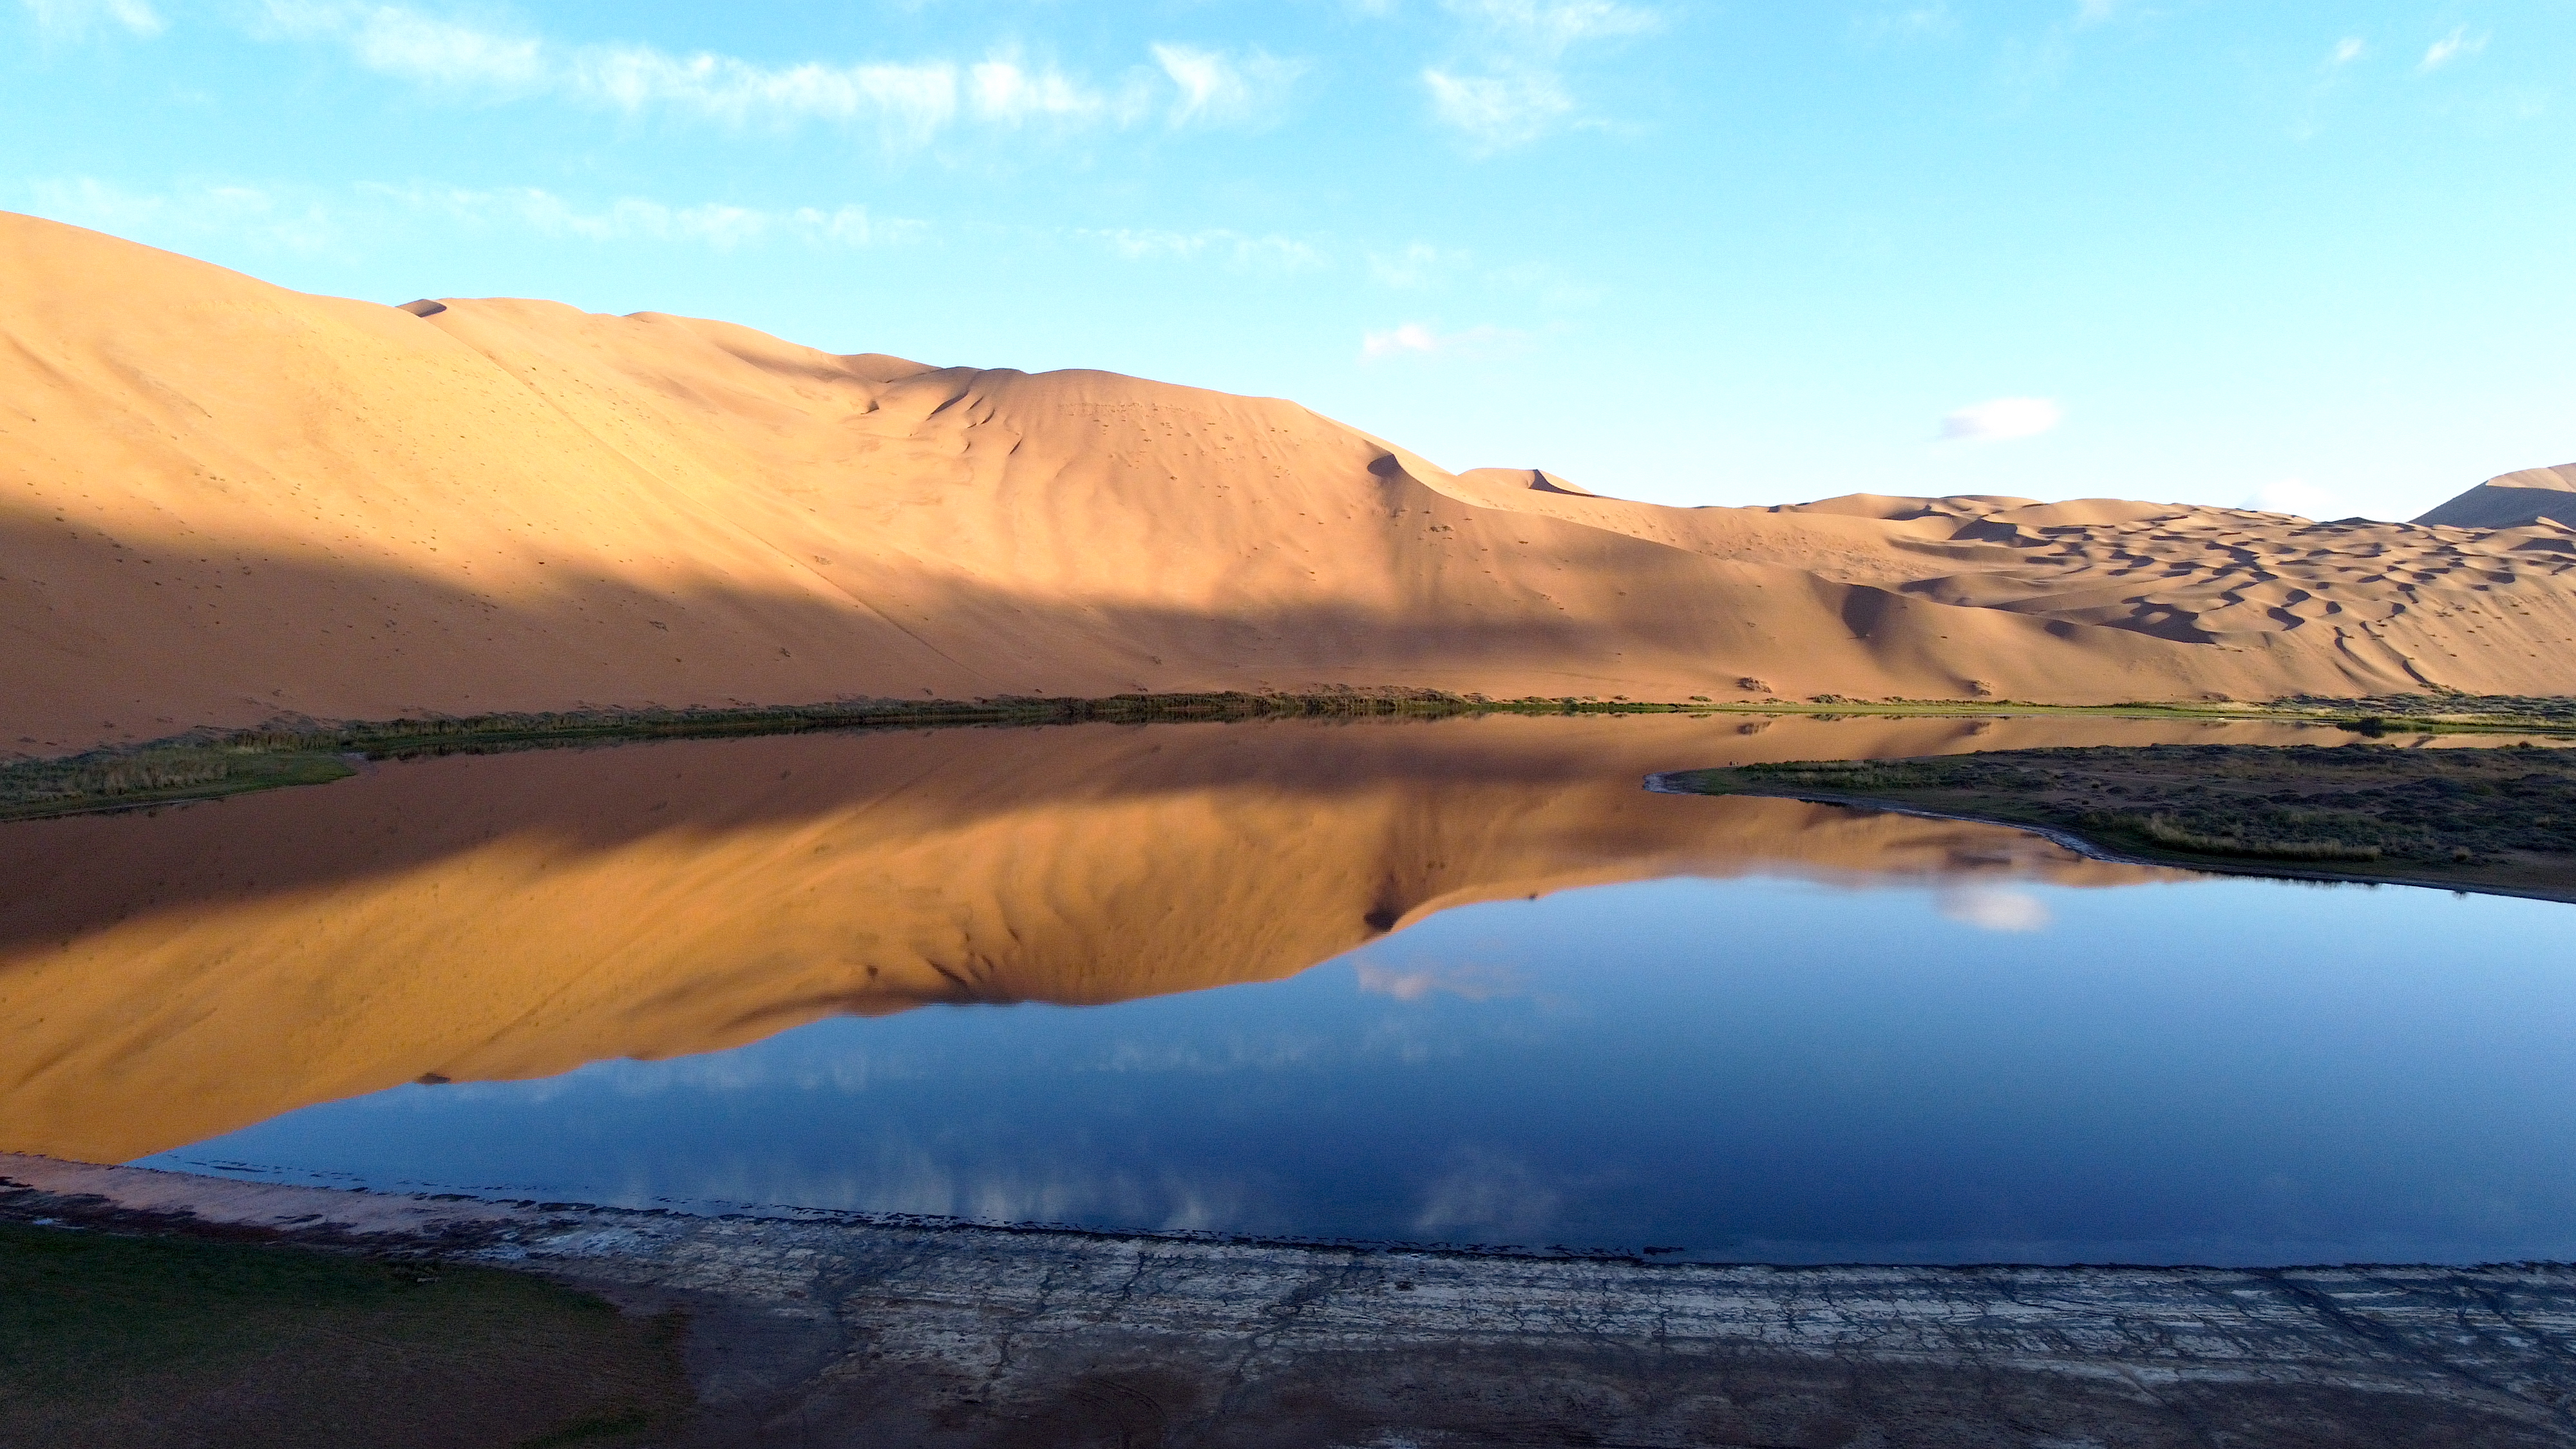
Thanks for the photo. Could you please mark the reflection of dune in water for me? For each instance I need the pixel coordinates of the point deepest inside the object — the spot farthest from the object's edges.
(167, 978)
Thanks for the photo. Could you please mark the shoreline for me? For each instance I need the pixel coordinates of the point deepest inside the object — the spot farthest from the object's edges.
(211, 764)
(1659, 783)
(878, 1332)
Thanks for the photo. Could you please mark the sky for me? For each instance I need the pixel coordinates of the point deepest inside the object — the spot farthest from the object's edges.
(2305, 256)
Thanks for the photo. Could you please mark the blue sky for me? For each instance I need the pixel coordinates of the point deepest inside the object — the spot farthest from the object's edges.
(2320, 256)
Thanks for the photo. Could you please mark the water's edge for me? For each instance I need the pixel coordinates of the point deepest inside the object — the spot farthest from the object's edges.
(796, 1316)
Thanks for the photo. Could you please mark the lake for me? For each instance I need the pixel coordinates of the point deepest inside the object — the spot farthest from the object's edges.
(1456, 981)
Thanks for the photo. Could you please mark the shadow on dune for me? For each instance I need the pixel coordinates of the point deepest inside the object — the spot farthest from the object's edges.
(135, 637)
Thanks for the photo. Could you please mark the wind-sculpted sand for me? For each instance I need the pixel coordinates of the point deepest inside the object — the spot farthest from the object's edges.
(221, 502)
(166, 978)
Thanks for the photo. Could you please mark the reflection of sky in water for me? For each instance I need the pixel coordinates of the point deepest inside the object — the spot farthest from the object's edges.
(2231, 1071)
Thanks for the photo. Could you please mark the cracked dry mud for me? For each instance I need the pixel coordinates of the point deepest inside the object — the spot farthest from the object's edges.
(815, 1330)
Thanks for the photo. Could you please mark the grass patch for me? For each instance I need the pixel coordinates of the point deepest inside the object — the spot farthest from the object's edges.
(208, 764)
(2502, 818)
(108, 1340)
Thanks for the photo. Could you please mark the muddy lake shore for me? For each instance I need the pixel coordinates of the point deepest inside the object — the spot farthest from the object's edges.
(810, 1328)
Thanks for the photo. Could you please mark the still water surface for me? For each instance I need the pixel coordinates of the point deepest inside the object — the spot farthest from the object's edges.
(1461, 982)
(2220, 1071)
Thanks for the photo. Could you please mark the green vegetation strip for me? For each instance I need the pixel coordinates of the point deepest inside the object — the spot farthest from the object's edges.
(207, 764)
(126, 1341)
(2491, 819)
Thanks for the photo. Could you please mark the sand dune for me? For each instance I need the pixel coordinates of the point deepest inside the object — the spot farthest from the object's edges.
(164, 979)
(221, 501)
(2543, 497)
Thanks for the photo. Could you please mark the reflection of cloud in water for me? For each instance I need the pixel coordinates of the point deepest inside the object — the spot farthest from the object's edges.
(1232, 1055)
(1488, 1193)
(1993, 908)
(907, 1177)
(1475, 983)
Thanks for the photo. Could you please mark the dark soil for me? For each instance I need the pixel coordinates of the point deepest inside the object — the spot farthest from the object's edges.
(133, 1342)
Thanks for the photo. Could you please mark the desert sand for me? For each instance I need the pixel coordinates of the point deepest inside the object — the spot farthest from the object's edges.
(222, 502)
(2534, 497)
(514, 916)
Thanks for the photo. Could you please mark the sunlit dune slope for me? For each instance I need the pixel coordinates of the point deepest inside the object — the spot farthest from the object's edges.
(221, 501)
(165, 979)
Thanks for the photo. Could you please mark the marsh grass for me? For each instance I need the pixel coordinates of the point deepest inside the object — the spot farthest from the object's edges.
(207, 764)
(143, 1341)
(2500, 812)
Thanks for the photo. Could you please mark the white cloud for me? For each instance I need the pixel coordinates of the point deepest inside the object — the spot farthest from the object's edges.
(1237, 249)
(71, 19)
(1216, 89)
(1916, 20)
(1473, 983)
(1498, 111)
(2096, 12)
(1420, 264)
(1418, 338)
(2295, 496)
(2000, 419)
(1409, 337)
(2451, 47)
(717, 225)
(1993, 908)
(1002, 90)
(910, 102)
(1508, 88)
(1550, 29)
(188, 214)
(2346, 51)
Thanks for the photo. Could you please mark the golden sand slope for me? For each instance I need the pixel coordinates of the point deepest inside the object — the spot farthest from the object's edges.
(163, 979)
(221, 501)
(2534, 496)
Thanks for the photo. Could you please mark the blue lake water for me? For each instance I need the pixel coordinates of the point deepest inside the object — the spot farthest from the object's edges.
(1762, 1067)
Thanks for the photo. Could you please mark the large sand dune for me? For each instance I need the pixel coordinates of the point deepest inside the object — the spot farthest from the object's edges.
(2514, 500)
(221, 501)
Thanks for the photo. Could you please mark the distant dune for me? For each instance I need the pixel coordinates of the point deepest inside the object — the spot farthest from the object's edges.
(2534, 496)
(221, 502)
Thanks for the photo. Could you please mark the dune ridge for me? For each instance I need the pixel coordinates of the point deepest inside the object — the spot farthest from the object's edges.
(2531, 498)
(222, 502)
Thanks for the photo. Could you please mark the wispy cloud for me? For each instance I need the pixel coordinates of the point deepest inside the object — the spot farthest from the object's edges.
(1420, 264)
(2346, 51)
(717, 225)
(1905, 22)
(72, 19)
(2297, 497)
(1550, 27)
(306, 220)
(1419, 339)
(188, 214)
(1471, 982)
(2450, 48)
(1498, 111)
(1233, 248)
(1993, 908)
(2000, 419)
(1507, 87)
(911, 102)
(1217, 89)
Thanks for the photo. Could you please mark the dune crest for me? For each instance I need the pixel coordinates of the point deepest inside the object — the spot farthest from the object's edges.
(221, 501)
(2534, 497)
